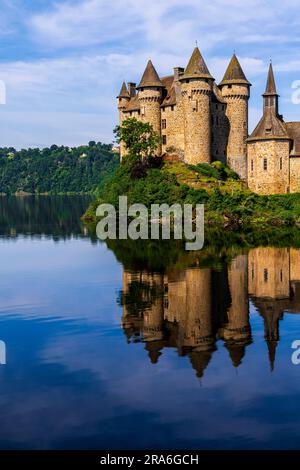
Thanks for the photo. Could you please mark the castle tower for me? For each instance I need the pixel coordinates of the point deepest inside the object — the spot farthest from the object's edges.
(123, 99)
(268, 147)
(235, 90)
(150, 97)
(196, 91)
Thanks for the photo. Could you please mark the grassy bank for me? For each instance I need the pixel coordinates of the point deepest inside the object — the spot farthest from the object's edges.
(227, 201)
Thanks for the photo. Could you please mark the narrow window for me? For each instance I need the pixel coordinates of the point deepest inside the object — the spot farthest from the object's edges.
(266, 275)
(229, 86)
(265, 164)
(252, 165)
(281, 277)
(280, 163)
(172, 108)
(252, 272)
(164, 124)
(164, 138)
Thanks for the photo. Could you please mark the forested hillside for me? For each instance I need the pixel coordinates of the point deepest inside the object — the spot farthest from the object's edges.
(57, 170)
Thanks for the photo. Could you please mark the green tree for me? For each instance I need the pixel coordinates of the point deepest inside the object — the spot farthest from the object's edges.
(139, 137)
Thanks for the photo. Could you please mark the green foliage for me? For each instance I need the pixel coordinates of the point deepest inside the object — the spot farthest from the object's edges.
(227, 204)
(216, 170)
(139, 137)
(56, 169)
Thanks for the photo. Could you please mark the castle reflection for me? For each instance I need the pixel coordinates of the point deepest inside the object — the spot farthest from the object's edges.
(193, 309)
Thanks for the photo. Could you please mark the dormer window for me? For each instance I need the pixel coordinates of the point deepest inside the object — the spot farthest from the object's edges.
(269, 130)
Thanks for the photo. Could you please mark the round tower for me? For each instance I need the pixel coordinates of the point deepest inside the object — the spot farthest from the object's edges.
(122, 99)
(150, 98)
(235, 90)
(196, 89)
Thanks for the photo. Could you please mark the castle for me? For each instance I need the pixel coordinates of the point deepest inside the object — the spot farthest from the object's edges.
(201, 122)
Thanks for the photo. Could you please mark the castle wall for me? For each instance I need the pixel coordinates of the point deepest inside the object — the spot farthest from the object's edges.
(294, 174)
(274, 180)
(236, 97)
(174, 129)
(150, 101)
(196, 95)
(269, 273)
(220, 131)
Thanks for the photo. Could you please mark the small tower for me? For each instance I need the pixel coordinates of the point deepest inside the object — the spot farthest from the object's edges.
(123, 99)
(196, 90)
(235, 90)
(150, 98)
(269, 147)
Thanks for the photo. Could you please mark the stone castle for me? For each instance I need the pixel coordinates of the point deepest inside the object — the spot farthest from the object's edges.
(201, 122)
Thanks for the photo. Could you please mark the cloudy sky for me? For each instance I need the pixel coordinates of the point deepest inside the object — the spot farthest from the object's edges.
(63, 61)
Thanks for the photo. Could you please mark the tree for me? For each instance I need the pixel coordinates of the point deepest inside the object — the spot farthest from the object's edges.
(139, 137)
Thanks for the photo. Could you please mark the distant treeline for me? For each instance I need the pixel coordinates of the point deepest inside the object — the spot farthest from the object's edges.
(57, 170)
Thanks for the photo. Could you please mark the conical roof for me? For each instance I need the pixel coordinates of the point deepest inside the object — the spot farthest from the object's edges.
(270, 127)
(234, 73)
(150, 77)
(124, 92)
(271, 86)
(196, 68)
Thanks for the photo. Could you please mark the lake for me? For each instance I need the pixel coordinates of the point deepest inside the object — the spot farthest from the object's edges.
(142, 345)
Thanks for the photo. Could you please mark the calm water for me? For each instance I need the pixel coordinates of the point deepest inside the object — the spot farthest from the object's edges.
(137, 346)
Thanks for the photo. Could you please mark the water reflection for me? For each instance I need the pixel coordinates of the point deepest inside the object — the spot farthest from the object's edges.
(192, 309)
(57, 217)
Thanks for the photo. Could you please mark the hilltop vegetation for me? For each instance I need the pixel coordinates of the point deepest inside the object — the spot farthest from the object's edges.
(57, 170)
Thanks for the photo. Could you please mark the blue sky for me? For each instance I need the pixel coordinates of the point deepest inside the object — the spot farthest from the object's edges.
(63, 61)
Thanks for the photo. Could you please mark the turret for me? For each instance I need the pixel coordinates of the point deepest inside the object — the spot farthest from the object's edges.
(150, 97)
(196, 88)
(123, 99)
(269, 148)
(235, 90)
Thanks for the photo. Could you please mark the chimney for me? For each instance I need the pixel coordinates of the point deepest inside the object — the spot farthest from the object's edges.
(178, 71)
(132, 89)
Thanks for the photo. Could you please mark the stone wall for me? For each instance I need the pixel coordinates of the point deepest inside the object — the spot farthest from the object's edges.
(174, 131)
(295, 174)
(220, 131)
(196, 95)
(274, 180)
(236, 98)
(150, 110)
